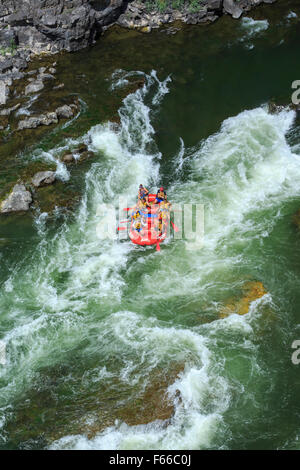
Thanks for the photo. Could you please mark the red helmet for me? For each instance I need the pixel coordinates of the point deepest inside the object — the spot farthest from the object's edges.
(161, 189)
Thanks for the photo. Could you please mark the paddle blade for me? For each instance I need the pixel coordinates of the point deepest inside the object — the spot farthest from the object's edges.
(176, 229)
(157, 246)
(121, 228)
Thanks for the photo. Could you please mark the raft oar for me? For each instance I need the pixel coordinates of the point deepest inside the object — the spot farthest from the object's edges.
(121, 228)
(128, 208)
(157, 246)
(176, 229)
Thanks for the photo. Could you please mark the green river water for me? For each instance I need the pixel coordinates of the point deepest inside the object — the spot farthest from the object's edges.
(97, 330)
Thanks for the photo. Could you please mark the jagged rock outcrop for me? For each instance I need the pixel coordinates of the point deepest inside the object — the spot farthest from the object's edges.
(34, 87)
(65, 111)
(42, 178)
(55, 25)
(50, 24)
(18, 200)
(42, 120)
(145, 16)
(52, 117)
(232, 7)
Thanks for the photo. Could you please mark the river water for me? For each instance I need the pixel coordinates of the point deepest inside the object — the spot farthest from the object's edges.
(97, 332)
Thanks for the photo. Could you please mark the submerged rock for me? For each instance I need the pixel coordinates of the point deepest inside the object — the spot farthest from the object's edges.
(83, 152)
(3, 123)
(68, 158)
(296, 219)
(19, 200)
(81, 148)
(252, 290)
(43, 178)
(274, 108)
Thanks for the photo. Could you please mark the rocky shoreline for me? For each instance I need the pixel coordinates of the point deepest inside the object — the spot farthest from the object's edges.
(51, 26)
(42, 28)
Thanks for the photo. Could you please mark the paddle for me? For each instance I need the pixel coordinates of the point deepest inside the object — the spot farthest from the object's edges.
(176, 229)
(157, 246)
(121, 228)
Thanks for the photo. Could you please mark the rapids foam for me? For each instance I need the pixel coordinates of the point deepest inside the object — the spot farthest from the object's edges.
(246, 168)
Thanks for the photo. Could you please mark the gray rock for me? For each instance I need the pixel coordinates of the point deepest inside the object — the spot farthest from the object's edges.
(6, 64)
(42, 120)
(45, 76)
(20, 63)
(65, 112)
(8, 111)
(43, 178)
(215, 5)
(4, 92)
(59, 86)
(7, 37)
(231, 7)
(34, 87)
(18, 200)
(194, 18)
(111, 13)
(32, 72)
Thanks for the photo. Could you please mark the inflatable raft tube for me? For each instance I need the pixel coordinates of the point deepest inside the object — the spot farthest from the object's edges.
(148, 235)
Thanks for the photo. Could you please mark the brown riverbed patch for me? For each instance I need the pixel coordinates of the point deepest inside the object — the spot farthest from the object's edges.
(296, 219)
(251, 291)
(56, 195)
(150, 405)
(51, 412)
(32, 168)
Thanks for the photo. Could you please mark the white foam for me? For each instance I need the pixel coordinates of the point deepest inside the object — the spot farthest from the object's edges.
(254, 27)
(43, 314)
(204, 395)
(292, 14)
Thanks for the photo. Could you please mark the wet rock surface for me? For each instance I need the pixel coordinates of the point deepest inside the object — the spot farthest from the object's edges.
(19, 200)
(42, 120)
(52, 117)
(145, 16)
(51, 26)
(43, 178)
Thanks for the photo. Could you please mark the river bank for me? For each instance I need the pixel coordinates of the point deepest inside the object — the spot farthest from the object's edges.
(53, 27)
(30, 37)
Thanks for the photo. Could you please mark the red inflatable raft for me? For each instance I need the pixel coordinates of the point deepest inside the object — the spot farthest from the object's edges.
(149, 233)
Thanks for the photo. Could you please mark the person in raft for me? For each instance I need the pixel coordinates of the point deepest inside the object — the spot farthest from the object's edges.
(161, 196)
(143, 193)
